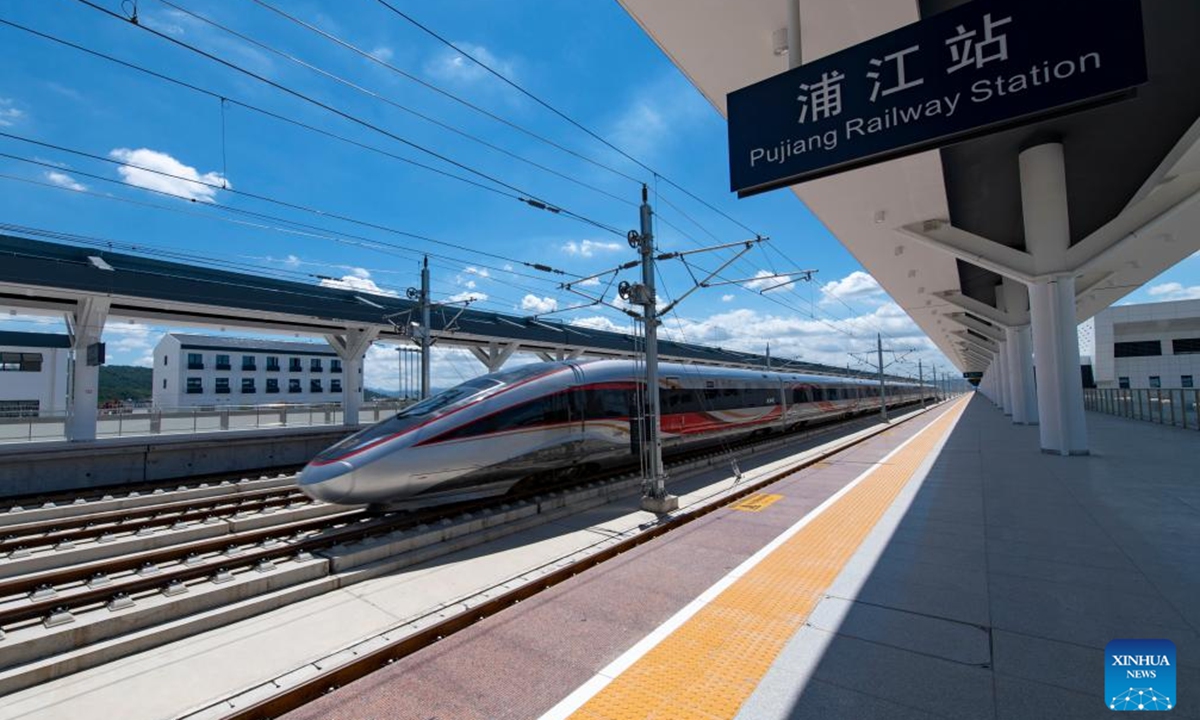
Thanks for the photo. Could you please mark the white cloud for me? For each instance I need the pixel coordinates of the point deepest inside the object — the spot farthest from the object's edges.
(590, 282)
(1175, 291)
(508, 267)
(64, 180)
(472, 270)
(359, 279)
(538, 305)
(472, 295)
(598, 322)
(8, 113)
(588, 248)
(727, 298)
(291, 262)
(858, 285)
(659, 116)
(452, 66)
(383, 53)
(806, 338)
(769, 283)
(185, 183)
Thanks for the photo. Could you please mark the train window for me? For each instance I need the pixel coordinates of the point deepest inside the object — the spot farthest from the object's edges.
(679, 401)
(605, 403)
(801, 395)
(818, 394)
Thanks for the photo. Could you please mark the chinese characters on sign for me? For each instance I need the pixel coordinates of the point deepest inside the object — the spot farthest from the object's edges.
(985, 64)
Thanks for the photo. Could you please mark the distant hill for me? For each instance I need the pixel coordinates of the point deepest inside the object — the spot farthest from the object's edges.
(125, 382)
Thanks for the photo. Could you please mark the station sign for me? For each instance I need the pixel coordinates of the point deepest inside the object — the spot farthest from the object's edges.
(980, 67)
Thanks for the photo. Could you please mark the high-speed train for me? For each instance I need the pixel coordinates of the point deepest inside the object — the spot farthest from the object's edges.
(481, 437)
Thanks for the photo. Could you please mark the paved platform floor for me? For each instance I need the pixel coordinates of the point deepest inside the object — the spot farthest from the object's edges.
(987, 588)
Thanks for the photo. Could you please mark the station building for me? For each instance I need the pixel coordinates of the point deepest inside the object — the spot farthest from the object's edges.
(204, 370)
(33, 374)
(1151, 345)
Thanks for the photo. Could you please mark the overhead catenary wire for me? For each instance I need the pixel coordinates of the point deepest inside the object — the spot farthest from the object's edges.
(268, 199)
(570, 120)
(393, 103)
(372, 57)
(530, 198)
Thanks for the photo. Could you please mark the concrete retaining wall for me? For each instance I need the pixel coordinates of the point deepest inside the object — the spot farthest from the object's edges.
(62, 466)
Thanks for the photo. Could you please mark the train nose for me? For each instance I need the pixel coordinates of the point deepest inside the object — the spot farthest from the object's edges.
(332, 483)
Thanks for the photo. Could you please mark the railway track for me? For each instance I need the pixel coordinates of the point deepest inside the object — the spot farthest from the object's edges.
(122, 573)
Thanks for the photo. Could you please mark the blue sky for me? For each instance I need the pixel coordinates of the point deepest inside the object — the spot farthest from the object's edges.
(588, 59)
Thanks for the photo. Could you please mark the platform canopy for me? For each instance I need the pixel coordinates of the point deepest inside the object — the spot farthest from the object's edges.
(55, 278)
(1133, 167)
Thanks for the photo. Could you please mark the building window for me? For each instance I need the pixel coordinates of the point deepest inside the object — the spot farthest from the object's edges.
(223, 362)
(20, 408)
(1123, 383)
(1186, 346)
(248, 386)
(273, 385)
(249, 362)
(294, 385)
(194, 386)
(165, 359)
(294, 365)
(1186, 381)
(335, 366)
(21, 362)
(164, 383)
(272, 364)
(1155, 381)
(314, 385)
(222, 386)
(314, 364)
(335, 385)
(195, 361)
(1139, 348)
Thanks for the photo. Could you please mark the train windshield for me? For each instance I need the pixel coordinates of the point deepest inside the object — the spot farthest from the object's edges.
(449, 398)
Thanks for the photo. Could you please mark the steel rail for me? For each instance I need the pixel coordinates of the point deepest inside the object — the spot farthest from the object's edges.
(81, 527)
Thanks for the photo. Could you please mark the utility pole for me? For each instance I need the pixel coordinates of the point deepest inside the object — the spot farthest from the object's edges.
(426, 345)
(882, 385)
(921, 382)
(655, 498)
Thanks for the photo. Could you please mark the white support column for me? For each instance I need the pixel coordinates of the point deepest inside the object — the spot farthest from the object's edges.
(1016, 391)
(1052, 303)
(351, 348)
(1002, 377)
(1024, 351)
(495, 356)
(1020, 355)
(86, 326)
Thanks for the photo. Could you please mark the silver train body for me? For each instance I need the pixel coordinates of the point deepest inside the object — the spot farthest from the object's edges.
(480, 438)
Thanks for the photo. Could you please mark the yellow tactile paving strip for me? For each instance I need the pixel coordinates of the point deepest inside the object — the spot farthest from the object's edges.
(711, 664)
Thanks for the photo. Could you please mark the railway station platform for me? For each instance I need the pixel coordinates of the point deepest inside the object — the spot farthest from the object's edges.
(941, 569)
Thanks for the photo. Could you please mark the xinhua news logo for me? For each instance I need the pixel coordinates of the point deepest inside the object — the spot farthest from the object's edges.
(1139, 675)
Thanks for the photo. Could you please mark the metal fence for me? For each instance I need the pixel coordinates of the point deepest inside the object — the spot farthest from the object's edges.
(121, 422)
(1166, 407)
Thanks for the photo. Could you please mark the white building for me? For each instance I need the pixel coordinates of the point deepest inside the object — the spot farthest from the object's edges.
(1153, 345)
(33, 374)
(191, 370)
